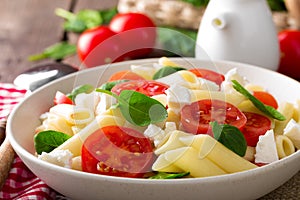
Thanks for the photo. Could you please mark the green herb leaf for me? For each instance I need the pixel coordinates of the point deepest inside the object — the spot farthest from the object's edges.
(109, 85)
(81, 21)
(57, 51)
(165, 71)
(268, 110)
(277, 5)
(108, 14)
(197, 3)
(165, 175)
(46, 141)
(231, 137)
(138, 108)
(183, 45)
(85, 88)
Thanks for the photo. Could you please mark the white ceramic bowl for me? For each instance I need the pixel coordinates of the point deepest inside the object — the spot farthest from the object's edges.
(250, 184)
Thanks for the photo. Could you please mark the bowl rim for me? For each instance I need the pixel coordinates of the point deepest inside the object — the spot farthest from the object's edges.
(234, 176)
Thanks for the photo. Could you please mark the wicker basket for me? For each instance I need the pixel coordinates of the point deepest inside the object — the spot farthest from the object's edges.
(183, 15)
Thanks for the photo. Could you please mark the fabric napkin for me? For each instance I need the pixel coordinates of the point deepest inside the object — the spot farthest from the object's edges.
(21, 183)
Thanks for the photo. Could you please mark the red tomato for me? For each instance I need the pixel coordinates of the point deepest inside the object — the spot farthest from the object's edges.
(289, 41)
(61, 98)
(125, 75)
(255, 126)
(266, 98)
(147, 87)
(195, 118)
(99, 46)
(137, 31)
(209, 75)
(117, 151)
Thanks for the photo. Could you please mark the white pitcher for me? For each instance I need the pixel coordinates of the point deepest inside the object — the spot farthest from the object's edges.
(239, 30)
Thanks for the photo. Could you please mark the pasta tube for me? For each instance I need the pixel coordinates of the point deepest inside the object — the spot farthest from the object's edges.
(284, 146)
(171, 143)
(75, 143)
(187, 159)
(211, 149)
(287, 109)
(162, 165)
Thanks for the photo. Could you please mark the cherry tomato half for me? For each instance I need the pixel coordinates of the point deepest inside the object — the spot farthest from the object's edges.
(117, 151)
(266, 98)
(209, 75)
(61, 98)
(125, 75)
(147, 87)
(255, 126)
(289, 42)
(99, 46)
(195, 118)
(137, 31)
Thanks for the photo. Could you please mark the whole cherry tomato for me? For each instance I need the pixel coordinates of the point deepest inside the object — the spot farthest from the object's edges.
(147, 87)
(137, 31)
(117, 151)
(255, 126)
(195, 117)
(289, 41)
(99, 46)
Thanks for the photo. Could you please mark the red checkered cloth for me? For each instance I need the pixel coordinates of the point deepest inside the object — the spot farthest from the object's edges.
(21, 182)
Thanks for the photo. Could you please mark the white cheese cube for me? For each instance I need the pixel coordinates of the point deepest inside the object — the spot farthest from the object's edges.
(61, 158)
(266, 151)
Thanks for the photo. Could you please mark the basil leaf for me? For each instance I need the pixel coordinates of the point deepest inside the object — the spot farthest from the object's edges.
(197, 3)
(138, 108)
(46, 141)
(108, 14)
(91, 18)
(165, 175)
(86, 88)
(81, 21)
(183, 45)
(57, 51)
(165, 71)
(231, 137)
(268, 110)
(109, 85)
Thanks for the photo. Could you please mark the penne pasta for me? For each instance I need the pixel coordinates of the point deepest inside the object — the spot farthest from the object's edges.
(211, 149)
(287, 109)
(187, 159)
(284, 146)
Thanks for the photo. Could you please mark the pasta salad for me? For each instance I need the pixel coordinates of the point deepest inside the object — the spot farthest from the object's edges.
(164, 121)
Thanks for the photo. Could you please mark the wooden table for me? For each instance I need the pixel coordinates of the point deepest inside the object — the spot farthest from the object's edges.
(29, 26)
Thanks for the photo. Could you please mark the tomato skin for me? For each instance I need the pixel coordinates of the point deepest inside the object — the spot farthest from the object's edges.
(195, 118)
(137, 31)
(125, 75)
(209, 75)
(266, 98)
(147, 87)
(61, 98)
(117, 151)
(255, 126)
(289, 42)
(99, 46)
